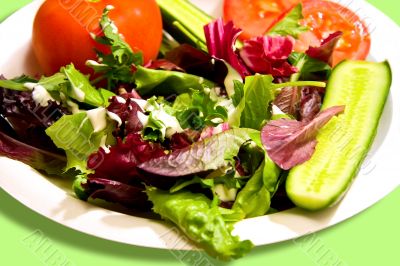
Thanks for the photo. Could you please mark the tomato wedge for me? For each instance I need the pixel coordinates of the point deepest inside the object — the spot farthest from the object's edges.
(324, 18)
(255, 16)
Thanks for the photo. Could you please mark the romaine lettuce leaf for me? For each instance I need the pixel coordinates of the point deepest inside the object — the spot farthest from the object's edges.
(254, 199)
(258, 94)
(201, 221)
(16, 84)
(309, 68)
(80, 88)
(161, 82)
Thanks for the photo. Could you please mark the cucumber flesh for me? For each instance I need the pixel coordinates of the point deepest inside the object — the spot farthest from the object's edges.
(344, 142)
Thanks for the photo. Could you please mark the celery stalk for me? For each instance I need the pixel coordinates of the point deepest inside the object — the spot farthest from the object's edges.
(185, 22)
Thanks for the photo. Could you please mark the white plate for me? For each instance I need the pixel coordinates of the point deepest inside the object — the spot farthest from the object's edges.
(49, 197)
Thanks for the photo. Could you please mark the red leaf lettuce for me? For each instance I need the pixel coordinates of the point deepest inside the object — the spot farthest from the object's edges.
(290, 142)
(269, 55)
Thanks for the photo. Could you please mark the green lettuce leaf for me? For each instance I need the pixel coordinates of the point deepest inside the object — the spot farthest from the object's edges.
(161, 82)
(116, 66)
(309, 68)
(258, 94)
(201, 221)
(255, 198)
(68, 85)
(76, 135)
(16, 83)
(80, 88)
(290, 24)
(199, 109)
(161, 121)
(182, 183)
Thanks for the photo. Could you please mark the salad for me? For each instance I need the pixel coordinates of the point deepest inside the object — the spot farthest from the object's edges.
(202, 121)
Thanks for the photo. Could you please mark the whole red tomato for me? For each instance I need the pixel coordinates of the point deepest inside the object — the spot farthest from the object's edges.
(61, 30)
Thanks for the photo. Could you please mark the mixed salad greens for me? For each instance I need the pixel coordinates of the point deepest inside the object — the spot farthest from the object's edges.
(204, 136)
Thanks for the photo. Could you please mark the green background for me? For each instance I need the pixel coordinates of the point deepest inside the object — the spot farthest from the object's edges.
(370, 238)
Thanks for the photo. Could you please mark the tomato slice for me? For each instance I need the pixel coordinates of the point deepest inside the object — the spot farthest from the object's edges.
(255, 17)
(324, 18)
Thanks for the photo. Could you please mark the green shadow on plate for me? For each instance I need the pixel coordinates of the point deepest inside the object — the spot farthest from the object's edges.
(18, 213)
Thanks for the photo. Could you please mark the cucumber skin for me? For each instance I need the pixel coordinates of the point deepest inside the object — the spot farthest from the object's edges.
(307, 202)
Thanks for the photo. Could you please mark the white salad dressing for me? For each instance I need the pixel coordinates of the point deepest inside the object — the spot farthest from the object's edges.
(142, 103)
(110, 7)
(74, 107)
(98, 118)
(39, 94)
(111, 24)
(170, 122)
(276, 110)
(225, 194)
(78, 92)
(103, 145)
(144, 119)
(94, 63)
(30, 85)
(230, 77)
(115, 117)
(228, 104)
(120, 99)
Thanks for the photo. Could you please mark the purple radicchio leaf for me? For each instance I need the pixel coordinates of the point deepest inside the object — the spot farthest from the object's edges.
(301, 103)
(131, 196)
(290, 142)
(39, 159)
(325, 51)
(184, 139)
(269, 55)
(191, 59)
(199, 63)
(127, 110)
(120, 162)
(211, 131)
(221, 39)
(310, 103)
(288, 101)
(163, 64)
(26, 120)
(201, 157)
